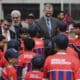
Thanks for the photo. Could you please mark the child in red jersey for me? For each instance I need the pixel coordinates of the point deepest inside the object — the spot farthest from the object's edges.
(36, 73)
(9, 72)
(3, 61)
(1, 46)
(39, 42)
(26, 57)
(61, 66)
(61, 29)
(16, 45)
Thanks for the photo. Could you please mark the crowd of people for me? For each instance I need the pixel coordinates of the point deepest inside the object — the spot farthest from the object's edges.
(43, 49)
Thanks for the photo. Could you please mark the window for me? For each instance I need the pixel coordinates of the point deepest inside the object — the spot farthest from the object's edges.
(75, 11)
(24, 8)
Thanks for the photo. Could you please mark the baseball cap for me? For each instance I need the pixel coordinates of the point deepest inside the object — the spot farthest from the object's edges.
(13, 44)
(30, 16)
(11, 53)
(61, 41)
(38, 61)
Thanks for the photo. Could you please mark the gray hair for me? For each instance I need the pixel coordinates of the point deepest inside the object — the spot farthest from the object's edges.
(16, 12)
(48, 5)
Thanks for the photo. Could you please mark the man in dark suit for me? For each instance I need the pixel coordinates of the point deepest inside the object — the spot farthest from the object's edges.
(47, 23)
(5, 30)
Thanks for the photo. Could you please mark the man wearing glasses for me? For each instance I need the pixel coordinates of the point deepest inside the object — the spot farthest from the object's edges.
(5, 30)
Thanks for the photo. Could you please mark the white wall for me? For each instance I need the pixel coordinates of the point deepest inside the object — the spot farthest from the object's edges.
(38, 1)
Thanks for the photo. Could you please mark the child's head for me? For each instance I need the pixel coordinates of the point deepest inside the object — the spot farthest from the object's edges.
(30, 18)
(61, 15)
(34, 31)
(60, 42)
(11, 56)
(29, 44)
(23, 33)
(37, 62)
(77, 28)
(14, 44)
(61, 27)
(2, 41)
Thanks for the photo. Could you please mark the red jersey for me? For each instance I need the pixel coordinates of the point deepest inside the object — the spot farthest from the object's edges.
(22, 46)
(3, 61)
(9, 73)
(71, 51)
(25, 62)
(77, 41)
(62, 67)
(25, 58)
(71, 40)
(1, 54)
(34, 75)
(39, 46)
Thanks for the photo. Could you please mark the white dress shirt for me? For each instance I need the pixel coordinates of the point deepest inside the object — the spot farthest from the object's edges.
(8, 34)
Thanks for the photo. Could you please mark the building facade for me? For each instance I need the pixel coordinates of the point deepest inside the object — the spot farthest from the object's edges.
(36, 6)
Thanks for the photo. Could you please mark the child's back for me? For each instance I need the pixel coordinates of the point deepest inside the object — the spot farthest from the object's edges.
(34, 75)
(39, 46)
(9, 73)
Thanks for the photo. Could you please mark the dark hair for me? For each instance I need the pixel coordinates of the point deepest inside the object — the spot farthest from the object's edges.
(8, 20)
(29, 43)
(1, 37)
(7, 56)
(37, 62)
(59, 12)
(33, 30)
(23, 30)
(14, 44)
(61, 26)
(1, 20)
(61, 41)
(11, 53)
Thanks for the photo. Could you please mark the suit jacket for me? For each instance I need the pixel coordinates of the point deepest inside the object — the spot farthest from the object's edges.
(12, 34)
(44, 29)
(16, 29)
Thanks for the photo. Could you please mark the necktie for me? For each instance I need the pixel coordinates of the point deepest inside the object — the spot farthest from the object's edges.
(49, 25)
